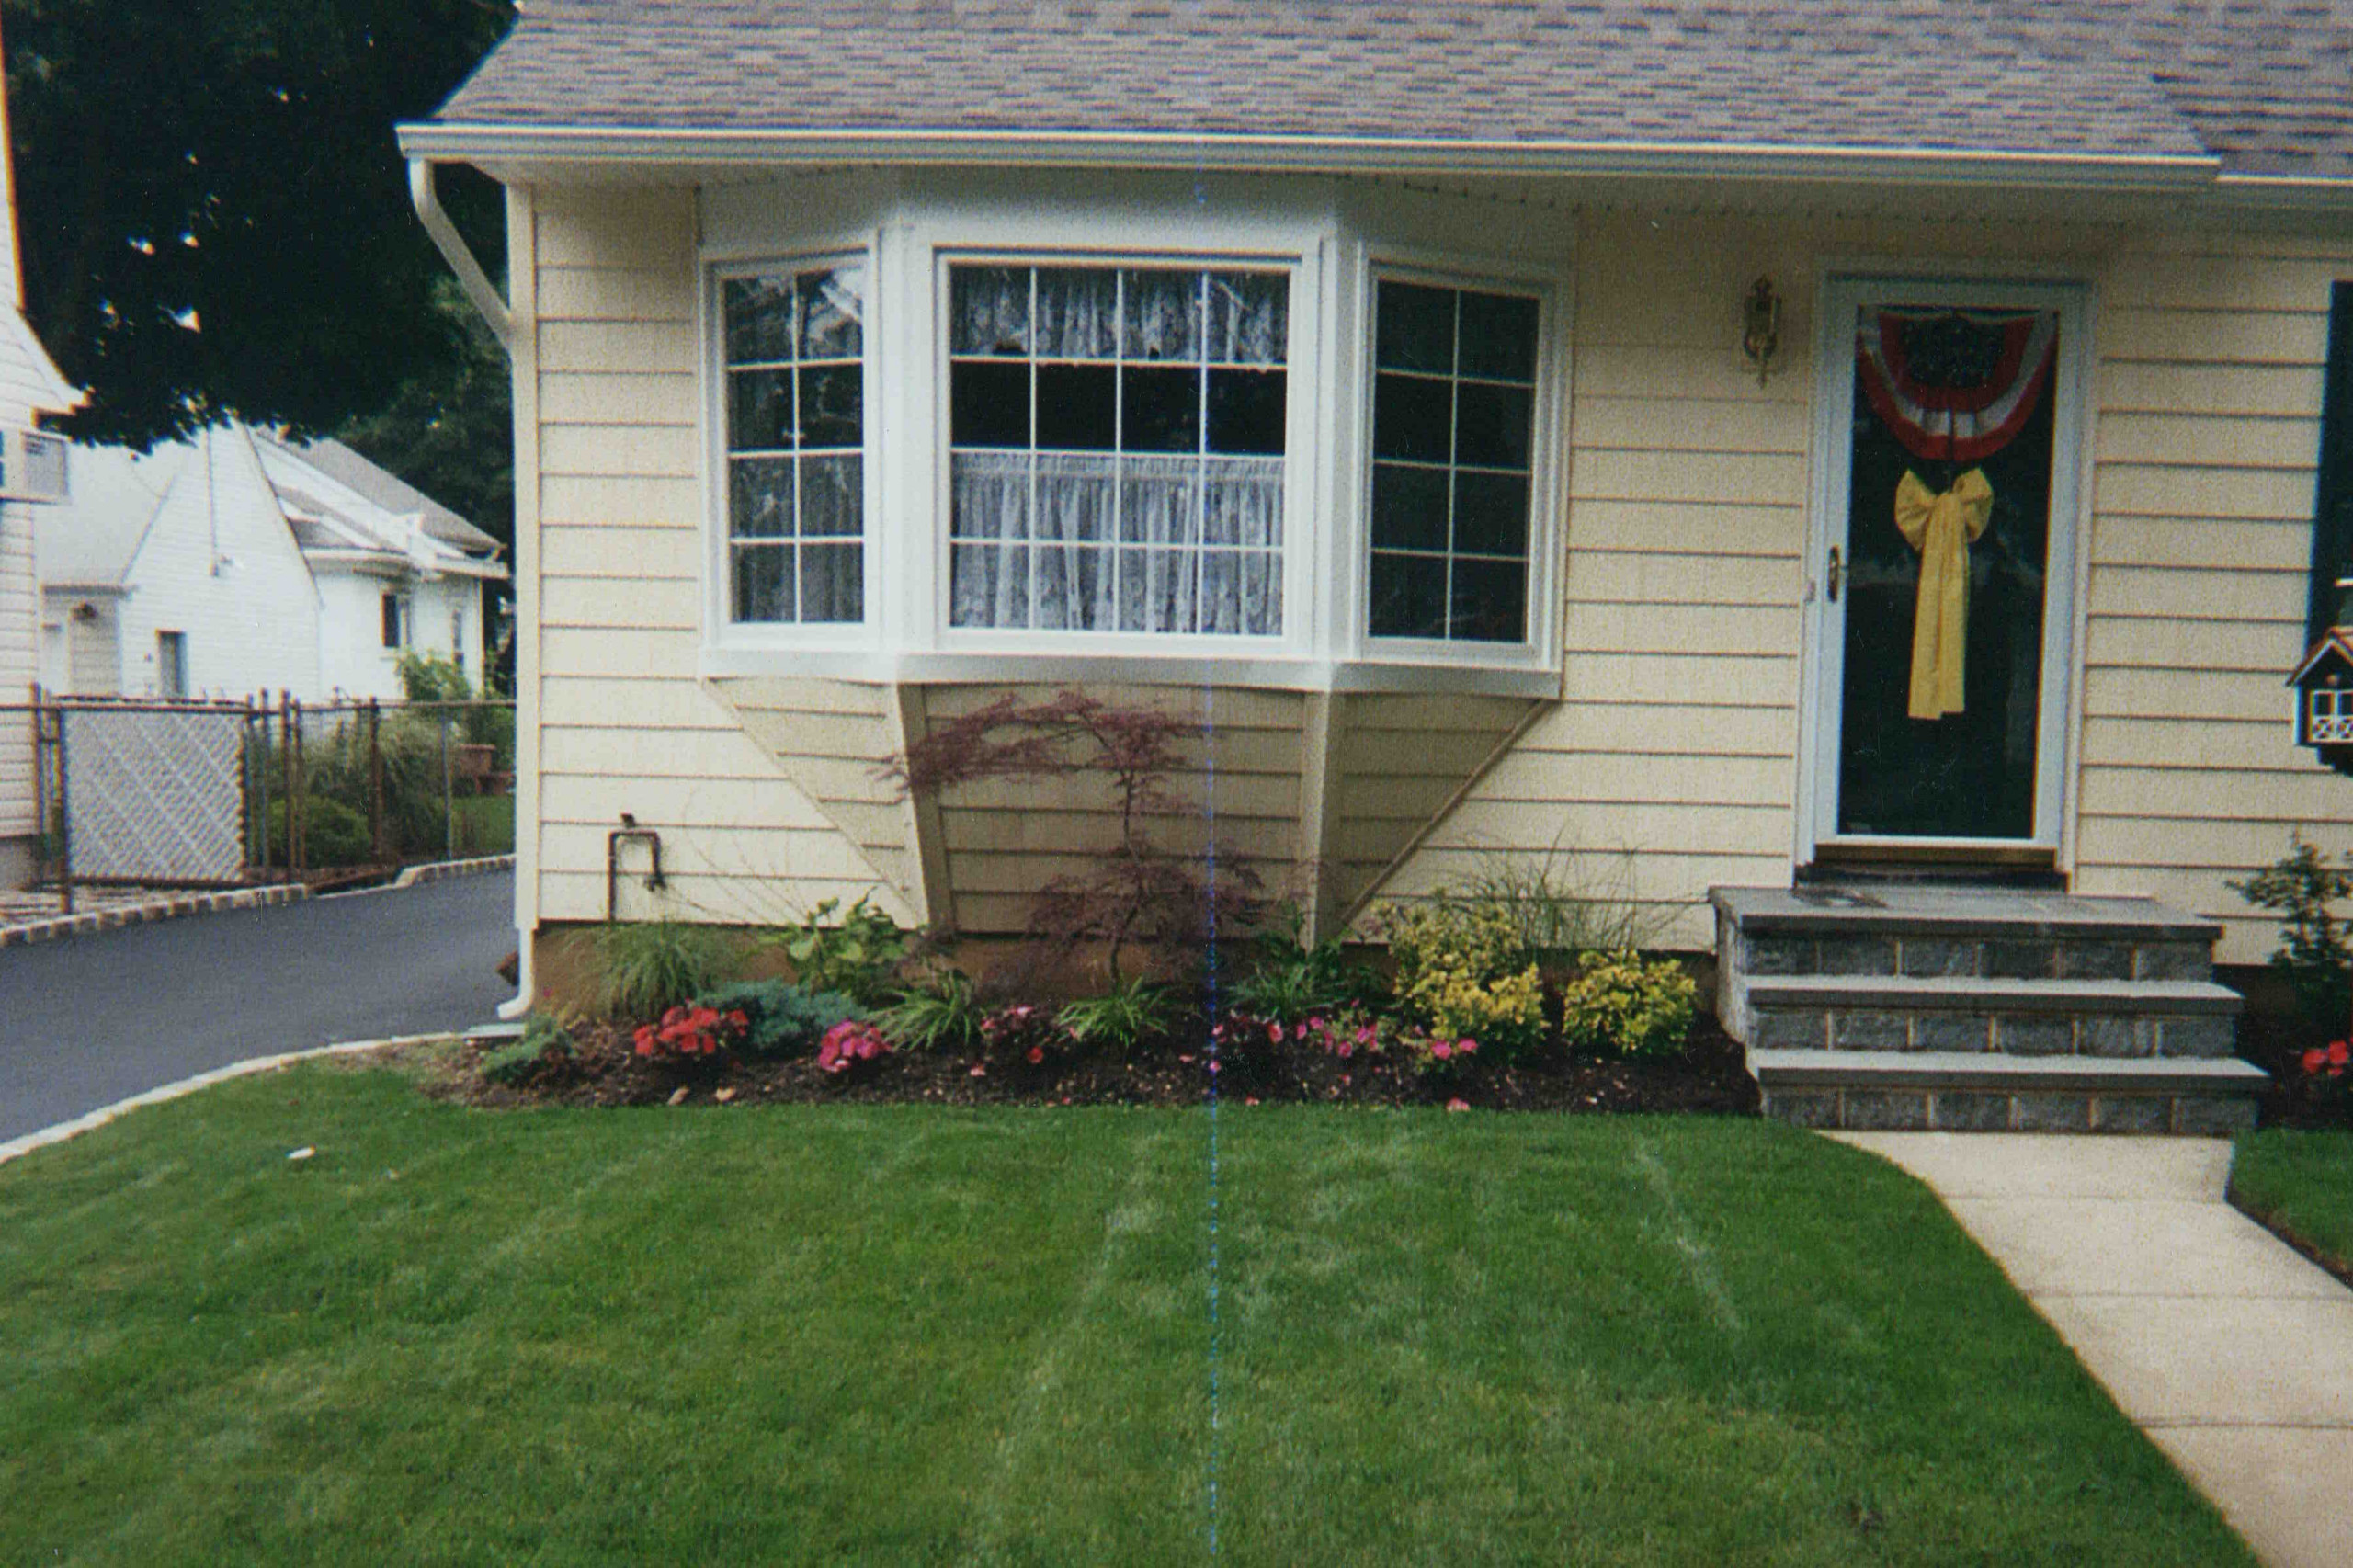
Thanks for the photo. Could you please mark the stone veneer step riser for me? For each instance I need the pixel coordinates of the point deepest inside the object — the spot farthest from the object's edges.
(2040, 1033)
(1981, 1110)
(1974, 957)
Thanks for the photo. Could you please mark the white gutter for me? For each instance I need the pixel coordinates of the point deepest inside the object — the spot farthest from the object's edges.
(1301, 154)
(479, 289)
(2283, 191)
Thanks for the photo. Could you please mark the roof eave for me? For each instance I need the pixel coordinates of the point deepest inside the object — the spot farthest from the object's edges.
(693, 149)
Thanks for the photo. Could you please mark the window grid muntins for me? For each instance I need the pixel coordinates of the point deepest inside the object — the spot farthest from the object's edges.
(795, 392)
(2331, 716)
(1139, 490)
(1451, 517)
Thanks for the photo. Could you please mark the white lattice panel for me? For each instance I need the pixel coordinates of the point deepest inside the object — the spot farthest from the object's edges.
(155, 794)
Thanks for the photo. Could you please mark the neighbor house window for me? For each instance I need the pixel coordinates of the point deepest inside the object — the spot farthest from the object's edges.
(396, 615)
(171, 663)
(795, 343)
(1453, 418)
(1117, 448)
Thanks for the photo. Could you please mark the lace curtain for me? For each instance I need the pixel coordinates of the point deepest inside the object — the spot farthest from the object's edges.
(1110, 541)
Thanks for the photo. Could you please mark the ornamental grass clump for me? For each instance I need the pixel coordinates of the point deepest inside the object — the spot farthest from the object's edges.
(648, 966)
(942, 1013)
(1623, 1005)
(1463, 974)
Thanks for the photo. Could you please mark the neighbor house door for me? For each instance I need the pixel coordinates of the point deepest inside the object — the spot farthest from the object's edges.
(1943, 570)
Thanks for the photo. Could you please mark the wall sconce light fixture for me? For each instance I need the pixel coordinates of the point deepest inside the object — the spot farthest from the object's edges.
(1760, 328)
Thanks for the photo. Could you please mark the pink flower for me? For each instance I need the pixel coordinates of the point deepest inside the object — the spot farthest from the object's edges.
(1457, 1105)
(1467, 1046)
(1346, 1051)
(1246, 1100)
(1364, 1034)
(1212, 1066)
(1185, 1060)
(1318, 1025)
(1276, 1032)
(1441, 1049)
(980, 1070)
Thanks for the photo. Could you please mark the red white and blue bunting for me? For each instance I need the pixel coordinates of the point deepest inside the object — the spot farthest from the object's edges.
(1955, 422)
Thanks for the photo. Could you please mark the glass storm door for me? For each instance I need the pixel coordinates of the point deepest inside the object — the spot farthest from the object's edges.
(1943, 567)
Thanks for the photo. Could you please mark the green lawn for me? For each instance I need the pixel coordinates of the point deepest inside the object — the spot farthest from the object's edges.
(905, 1335)
(2300, 1182)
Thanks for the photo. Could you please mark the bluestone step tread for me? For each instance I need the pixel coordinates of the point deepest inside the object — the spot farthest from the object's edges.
(1901, 911)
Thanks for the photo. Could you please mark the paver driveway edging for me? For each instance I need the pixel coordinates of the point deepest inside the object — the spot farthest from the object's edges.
(16, 1148)
(2230, 1349)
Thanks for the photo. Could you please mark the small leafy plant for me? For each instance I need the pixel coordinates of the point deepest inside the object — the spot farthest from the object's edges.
(850, 1044)
(943, 1013)
(544, 1043)
(858, 955)
(1131, 1012)
(1462, 973)
(1024, 1036)
(1623, 1005)
(2301, 887)
(650, 966)
(784, 1019)
(1292, 979)
(691, 1031)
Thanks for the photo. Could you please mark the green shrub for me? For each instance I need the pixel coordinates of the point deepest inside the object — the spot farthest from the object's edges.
(650, 966)
(940, 1014)
(858, 955)
(333, 834)
(1289, 980)
(1463, 972)
(1121, 1020)
(782, 1019)
(2299, 887)
(544, 1042)
(1627, 1006)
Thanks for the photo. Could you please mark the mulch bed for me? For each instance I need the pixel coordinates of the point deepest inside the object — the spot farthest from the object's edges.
(1705, 1077)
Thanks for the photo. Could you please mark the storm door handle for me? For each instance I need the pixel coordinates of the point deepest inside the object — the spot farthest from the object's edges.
(1831, 585)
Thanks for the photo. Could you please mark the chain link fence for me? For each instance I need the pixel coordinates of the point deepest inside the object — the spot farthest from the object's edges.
(152, 794)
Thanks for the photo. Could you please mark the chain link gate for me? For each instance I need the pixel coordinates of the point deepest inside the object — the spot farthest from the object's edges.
(147, 793)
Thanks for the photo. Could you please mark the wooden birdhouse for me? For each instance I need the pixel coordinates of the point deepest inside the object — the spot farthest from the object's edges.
(2324, 683)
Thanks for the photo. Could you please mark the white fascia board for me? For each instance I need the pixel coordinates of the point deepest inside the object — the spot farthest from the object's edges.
(2284, 193)
(654, 147)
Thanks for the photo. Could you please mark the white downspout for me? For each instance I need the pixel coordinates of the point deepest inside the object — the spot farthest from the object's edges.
(486, 301)
(480, 291)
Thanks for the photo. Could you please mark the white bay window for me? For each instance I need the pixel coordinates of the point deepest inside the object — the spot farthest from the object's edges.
(1276, 459)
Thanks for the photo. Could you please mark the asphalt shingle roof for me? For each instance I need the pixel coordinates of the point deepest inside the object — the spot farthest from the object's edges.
(2265, 85)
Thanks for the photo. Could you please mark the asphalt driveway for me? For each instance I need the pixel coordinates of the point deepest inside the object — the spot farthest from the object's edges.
(92, 1019)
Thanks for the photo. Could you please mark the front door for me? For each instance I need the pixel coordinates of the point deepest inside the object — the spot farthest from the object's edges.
(1943, 568)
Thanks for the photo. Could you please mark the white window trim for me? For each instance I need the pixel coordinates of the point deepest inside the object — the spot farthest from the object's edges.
(906, 635)
(1547, 498)
(762, 641)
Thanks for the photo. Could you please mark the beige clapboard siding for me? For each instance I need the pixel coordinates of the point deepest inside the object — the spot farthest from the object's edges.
(2203, 450)
(1687, 523)
(626, 723)
(1001, 836)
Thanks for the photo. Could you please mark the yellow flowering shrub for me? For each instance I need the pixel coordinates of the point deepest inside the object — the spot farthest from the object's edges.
(1462, 973)
(1623, 1003)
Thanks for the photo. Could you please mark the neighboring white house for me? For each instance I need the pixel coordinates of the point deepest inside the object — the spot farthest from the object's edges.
(233, 562)
(29, 385)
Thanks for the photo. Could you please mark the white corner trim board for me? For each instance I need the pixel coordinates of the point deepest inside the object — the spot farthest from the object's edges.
(16, 1148)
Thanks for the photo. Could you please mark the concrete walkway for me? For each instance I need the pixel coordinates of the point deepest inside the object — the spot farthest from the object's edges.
(2233, 1353)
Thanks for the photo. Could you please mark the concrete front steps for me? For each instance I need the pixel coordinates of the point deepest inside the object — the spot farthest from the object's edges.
(1965, 1010)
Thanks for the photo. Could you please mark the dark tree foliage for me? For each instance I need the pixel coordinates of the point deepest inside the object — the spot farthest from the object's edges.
(213, 215)
(450, 428)
(1141, 892)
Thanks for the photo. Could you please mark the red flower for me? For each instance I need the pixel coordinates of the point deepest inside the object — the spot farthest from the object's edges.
(2314, 1059)
(2340, 1053)
(1037, 1053)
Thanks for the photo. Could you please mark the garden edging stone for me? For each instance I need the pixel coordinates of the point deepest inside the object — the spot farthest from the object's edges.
(16, 1148)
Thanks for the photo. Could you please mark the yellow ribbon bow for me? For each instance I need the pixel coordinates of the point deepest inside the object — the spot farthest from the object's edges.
(1941, 527)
